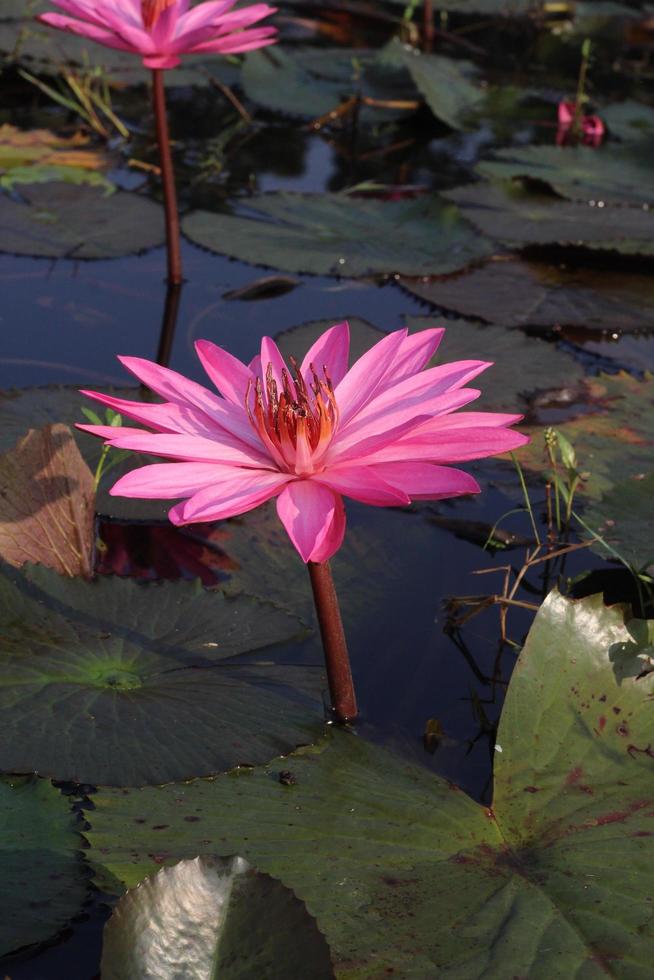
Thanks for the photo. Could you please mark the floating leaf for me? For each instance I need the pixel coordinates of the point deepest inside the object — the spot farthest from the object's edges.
(624, 519)
(518, 293)
(629, 120)
(33, 156)
(552, 880)
(61, 221)
(47, 503)
(211, 917)
(612, 175)
(521, 365)
(516, 216)
(135, 683)
(336, 234)
(42, 882)
(448, 86)
(612, 434)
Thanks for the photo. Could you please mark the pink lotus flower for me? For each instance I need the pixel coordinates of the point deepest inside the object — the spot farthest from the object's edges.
(381, 433)
(590, 128)
(160, 30)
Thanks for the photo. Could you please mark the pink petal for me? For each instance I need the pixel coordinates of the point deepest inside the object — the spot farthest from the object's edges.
(363, 483)
(164, 417)
(204, 15)
(93, 33)
(336, 455)
(176, 388)
(449, 445)
(190, 448)
(230, 376)
(330, 352)
(271, 354)
(163, 480)
(416, 351)
(362, 381)
(108, 432)
(237, 43)
(220, 28)
(239, 493)
(424, 481)
(314, 518)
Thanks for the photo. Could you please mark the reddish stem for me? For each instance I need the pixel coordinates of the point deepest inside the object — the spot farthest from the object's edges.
(428, 32)
(167, 178)
(339, 674)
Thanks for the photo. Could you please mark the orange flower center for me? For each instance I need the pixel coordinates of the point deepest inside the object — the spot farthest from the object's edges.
(151, 11)
(297, 423)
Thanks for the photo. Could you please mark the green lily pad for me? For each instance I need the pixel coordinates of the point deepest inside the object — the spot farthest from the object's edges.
(212, 917)
(629, 120)
(521, 365)
(623, 517)
(58, 220)
(488, 8)
(42, 880)
(340, 235)
(406, 874)
(612, 433)
(137, 684)
(517, 217)
(530, 294)
(311, 82)
(611, 174)
(449, 87)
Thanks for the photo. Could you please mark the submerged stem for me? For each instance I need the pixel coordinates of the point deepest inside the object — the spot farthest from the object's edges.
(167, 178)
(339, 674)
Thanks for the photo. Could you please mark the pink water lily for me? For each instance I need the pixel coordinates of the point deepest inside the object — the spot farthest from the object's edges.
(383, 432)
(161, 30)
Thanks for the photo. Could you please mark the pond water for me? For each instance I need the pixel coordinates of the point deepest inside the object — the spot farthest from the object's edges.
(430, 685)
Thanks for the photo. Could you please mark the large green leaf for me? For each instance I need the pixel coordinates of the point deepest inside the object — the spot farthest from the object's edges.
(42, 882)
(514, 215)
(59, 220)
(612, 432)
(624, 518)
(611, 174)
(406, 874)
(207, 918)
(135, 684)
(629, 120)
(516, 293)
(339, 235)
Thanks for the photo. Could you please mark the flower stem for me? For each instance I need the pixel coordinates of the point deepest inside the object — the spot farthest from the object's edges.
(167, 178)
(428, 26)
(339, 674)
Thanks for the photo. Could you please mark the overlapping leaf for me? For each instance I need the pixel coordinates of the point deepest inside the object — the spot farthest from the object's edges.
(406, 874)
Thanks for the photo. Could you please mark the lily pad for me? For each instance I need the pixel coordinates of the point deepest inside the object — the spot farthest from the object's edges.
(42, 880)
(47, 502)
(612, 433)
(515, 216)
(449, 86)
(57, 220)
(516, 294)
(611, 175)
(552, 880)
(338, 235)
(624, 519)
(213, 918)
(521, 365)
(629, 120)
(136, 683)
(311, 82)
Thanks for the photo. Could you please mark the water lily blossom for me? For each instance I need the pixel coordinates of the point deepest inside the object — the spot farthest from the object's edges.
(383, 432)
(159, 31)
